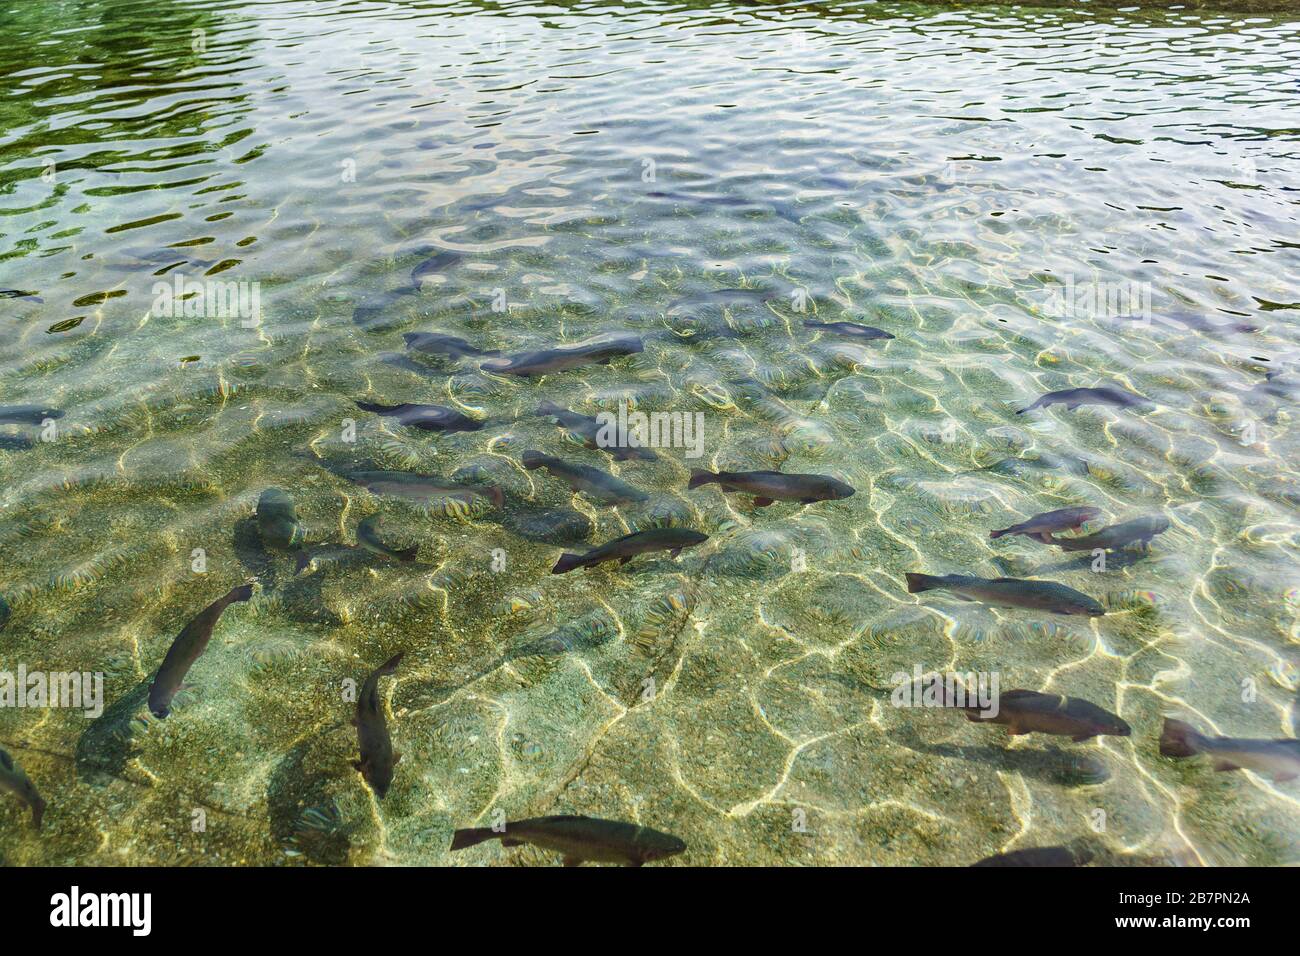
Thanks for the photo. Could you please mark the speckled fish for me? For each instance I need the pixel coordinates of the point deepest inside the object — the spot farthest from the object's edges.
(368, 538)
(770, 486)
(377, 755)
(1009, 592)
(436, 343)
(853, 329)
(16, 782)
(1031, 712)
(564, 357)
(188, 648)
(588, 429)
(405, 484)
(579, 839)
(624, 549)
(1041, 526)
(429, 418)
(1072, 398)
(27, 414)
(601, 486)
(438, 262)
(277, 521)
(1139, 531)
(1279, 759)
(1032, 856)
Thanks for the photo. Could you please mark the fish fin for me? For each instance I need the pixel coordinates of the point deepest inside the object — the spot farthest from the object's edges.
(572, 861)
(624, 560)
(674, 552)
(472, 836)
(700, 476)
(1071, 406)
(998, 534)
(371, 407)
(762, 502)
(567, 562)
(1221, 764)
(1080, 738)
(1044, 536)
(532, 459)
(1015, 731)
(358, 766)
(1178, 739)
(509, 841)
(920, 582)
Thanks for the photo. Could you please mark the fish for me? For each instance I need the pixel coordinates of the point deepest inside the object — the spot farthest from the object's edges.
(377, 755)
(13, 779)
(436, 343)
(415, 487)
(1072, 398)
(277, 522)
(588, 429)
(592, 481)
(20, 294)
(368, 538)
(188, 648)
(849, 328)
(1139, 530)
(770, 486)
(1040, 526)
(564, 357)
(1010, 592)
(27, 414)
(624, 549)
(579, 839)
(438, 262)
(429, 418)
(1030, 712)
(1279, 759)
(1033, 856)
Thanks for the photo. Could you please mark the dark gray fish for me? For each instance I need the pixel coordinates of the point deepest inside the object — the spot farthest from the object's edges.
(1033, 856)
(438, 262)
(599, 485)
(1072, 398)
(377, 755)
(579, 839)
(277, 521)
(1031, 712)
(415, 487)
(16, 443)
(589, 429)
(188, 648)
(564, 357)
(429, 418)
(16, 782)
(1009, 592)
(624, 549)
(1040, 526)
(1139, 530)
(368, 538)
(849, 328)
(769, 486)
(436, 343)
(27, 414)
(1279, 759)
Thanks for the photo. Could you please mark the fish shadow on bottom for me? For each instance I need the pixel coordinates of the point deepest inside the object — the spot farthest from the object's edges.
(1049, 765)
(302, 813)
(108, 744)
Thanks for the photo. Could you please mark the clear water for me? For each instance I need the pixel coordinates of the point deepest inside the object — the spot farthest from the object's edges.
(931, 170)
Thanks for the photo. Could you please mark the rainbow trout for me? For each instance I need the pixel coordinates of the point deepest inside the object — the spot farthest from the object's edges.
(1029, 712)
(624, 549)
(377, 755)
(1041, 526)
(1072, 398)
(770, 486)
(579, 839)
(188, 648)
(599, 485)
(1279, 759)
(1139, 531)
(1009, 592)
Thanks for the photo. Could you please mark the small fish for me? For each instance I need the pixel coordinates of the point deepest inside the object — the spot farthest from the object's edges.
(1139, 530)
(769, 486)
(1279, 759)
(20, 294)
(16, 782)
(1040, 526)
(435, 343)
(1009, 592)
(1033, 856)
(405, 484)
(592, 481)
(277, 522)
(589, 429)
(429, 418)
(624, 549)
(564, 357)
(579, 839)
(377, 755)
(368, 538)
(1072, 398)
(438, 262)
(27, 414)
(188, 648)
(1030, 712)
(853, 329)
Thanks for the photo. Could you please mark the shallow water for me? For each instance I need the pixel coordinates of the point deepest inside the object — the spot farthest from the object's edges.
(937, 172)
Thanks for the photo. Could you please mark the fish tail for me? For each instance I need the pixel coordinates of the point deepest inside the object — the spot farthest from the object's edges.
(38, 812)
(700, 477)
(998, 534)
(370, 407)
(389, 667)
(1030, 408)
(922, 582)
(241, 593)
(567, 562)
(1179, 739)
(472, 836)
(533, 459)
(810, 324)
